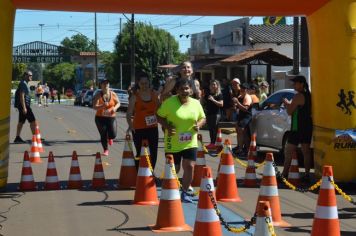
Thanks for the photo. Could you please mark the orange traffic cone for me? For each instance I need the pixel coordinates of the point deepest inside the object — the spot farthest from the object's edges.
(263, 219)
(146, 192)
(27, 181)
(128, 172)
(227, 187)
(199, 164)
(250, 174)
(206, 221)
(170, 216)
(219, 141)
(98, 175)
(326, 219)
(269, 191)
(75, 178)
(293, 174)
(35, 154)
(52, 182)
(38, 137)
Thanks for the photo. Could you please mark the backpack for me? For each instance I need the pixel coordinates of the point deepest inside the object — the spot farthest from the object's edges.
(17, 98)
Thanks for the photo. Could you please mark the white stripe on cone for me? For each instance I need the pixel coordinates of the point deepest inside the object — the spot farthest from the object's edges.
(250, 176)
(206, 215)
(326, 184)
(170, 194)
(75, 163)
(51, 179)
(227, 169)
(26, 164)
(294, 162)
(270, 191)
(51, 165)
(26, 178)
(269, 170)
(203, 185)
(128, 162)
(293, 175)
(75, 177)
(144, 171)
(200, 161)
(168, 172)
(98, 175)
(326, 212)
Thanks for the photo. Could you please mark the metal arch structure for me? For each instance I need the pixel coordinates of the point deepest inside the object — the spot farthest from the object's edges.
(332, 36)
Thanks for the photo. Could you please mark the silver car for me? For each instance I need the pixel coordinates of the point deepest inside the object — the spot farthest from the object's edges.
(271, 122)
(121, 94)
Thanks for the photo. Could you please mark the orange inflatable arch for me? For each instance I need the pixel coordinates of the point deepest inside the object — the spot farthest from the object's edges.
(332, 36)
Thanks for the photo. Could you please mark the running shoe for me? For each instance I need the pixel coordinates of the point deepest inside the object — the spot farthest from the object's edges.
(210, 146)
(185, 197)
(106, 153)
(18, 139)
(190, 191)
(110, 141)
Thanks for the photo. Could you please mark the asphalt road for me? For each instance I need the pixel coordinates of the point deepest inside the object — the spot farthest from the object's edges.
(109, 212)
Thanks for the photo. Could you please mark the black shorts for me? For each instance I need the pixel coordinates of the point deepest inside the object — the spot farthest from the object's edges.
(188, 154)
(46, 95)
(244, 122)
(298, 137)
(29, 116)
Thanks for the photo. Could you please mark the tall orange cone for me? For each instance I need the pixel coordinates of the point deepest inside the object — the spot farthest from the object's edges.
(35, 154)
(128, 172)
(98, 175)
(293, 174)
(219, 140)
(207, 223)
(326, 219)
(75, 178)
(52, 182)
(269, 191)
(250, 174)
(27, 181)
(146, 192)
(263, 219)
(227, 187)
(39, 140)
(199, 164)
(170, 216)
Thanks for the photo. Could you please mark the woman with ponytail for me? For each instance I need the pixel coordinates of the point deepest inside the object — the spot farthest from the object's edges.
(301, 126)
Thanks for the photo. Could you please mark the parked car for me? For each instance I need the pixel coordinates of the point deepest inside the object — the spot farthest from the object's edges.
(121, 94)
(88, 98)
(79, 97)
(271, 122)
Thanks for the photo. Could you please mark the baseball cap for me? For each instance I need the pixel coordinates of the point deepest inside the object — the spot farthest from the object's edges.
(103, 80)
(236, 80)
(245, 86)
(299, 78)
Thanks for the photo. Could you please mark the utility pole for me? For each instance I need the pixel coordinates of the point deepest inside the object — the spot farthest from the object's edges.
(41, 64)
(133, 49)
(41, 25)
(295, 46)
(96, 53)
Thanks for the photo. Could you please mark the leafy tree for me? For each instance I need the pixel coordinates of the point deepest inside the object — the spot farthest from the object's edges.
(60, 75)
(79, 42)
(18, 69)
(107, 58)
(153, 47)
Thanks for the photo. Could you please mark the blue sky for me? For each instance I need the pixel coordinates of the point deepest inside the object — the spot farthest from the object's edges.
(58, 25)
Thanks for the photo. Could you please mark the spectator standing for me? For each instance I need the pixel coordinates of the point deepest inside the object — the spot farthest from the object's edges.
(141, 117)
(23, 104)
(213, 104)
(182, 116)
(59, 96)
(254, 92)
(39, 93)
(301, 127)
(226, 93)
(264, 90)
(45, 94)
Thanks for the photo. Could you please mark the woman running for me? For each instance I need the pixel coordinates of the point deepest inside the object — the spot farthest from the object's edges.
(106, 103)
(141, 117)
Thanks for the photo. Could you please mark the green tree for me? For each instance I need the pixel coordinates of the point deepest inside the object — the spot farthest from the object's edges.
(18, 69)
(106, 59)
(153, 47)
(79, 42)
(60, 75)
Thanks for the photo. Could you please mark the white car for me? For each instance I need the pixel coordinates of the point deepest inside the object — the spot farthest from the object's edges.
(271, 122)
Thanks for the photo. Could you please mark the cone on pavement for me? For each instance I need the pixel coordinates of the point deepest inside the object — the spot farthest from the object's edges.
(98, 181)
(35, 154)
(52, 182)
(128, 172)
(39, 140)
(293, 174)
(199, 164)
(326, 219)
(170, 217)
(146, 192)
(227, 188)
(263, 219)
(250, 174)
(269, 191)
(219, 141)
(207, 222)
(75, 178)
(27, 182)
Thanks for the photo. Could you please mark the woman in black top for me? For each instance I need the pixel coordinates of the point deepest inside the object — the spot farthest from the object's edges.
(214, 103)
(301, 126)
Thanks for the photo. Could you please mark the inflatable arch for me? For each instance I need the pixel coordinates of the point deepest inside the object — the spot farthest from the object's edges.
(332, 30)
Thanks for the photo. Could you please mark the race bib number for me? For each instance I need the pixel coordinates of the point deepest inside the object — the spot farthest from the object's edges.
(151, 120)
(106, 113)
(185, 137)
